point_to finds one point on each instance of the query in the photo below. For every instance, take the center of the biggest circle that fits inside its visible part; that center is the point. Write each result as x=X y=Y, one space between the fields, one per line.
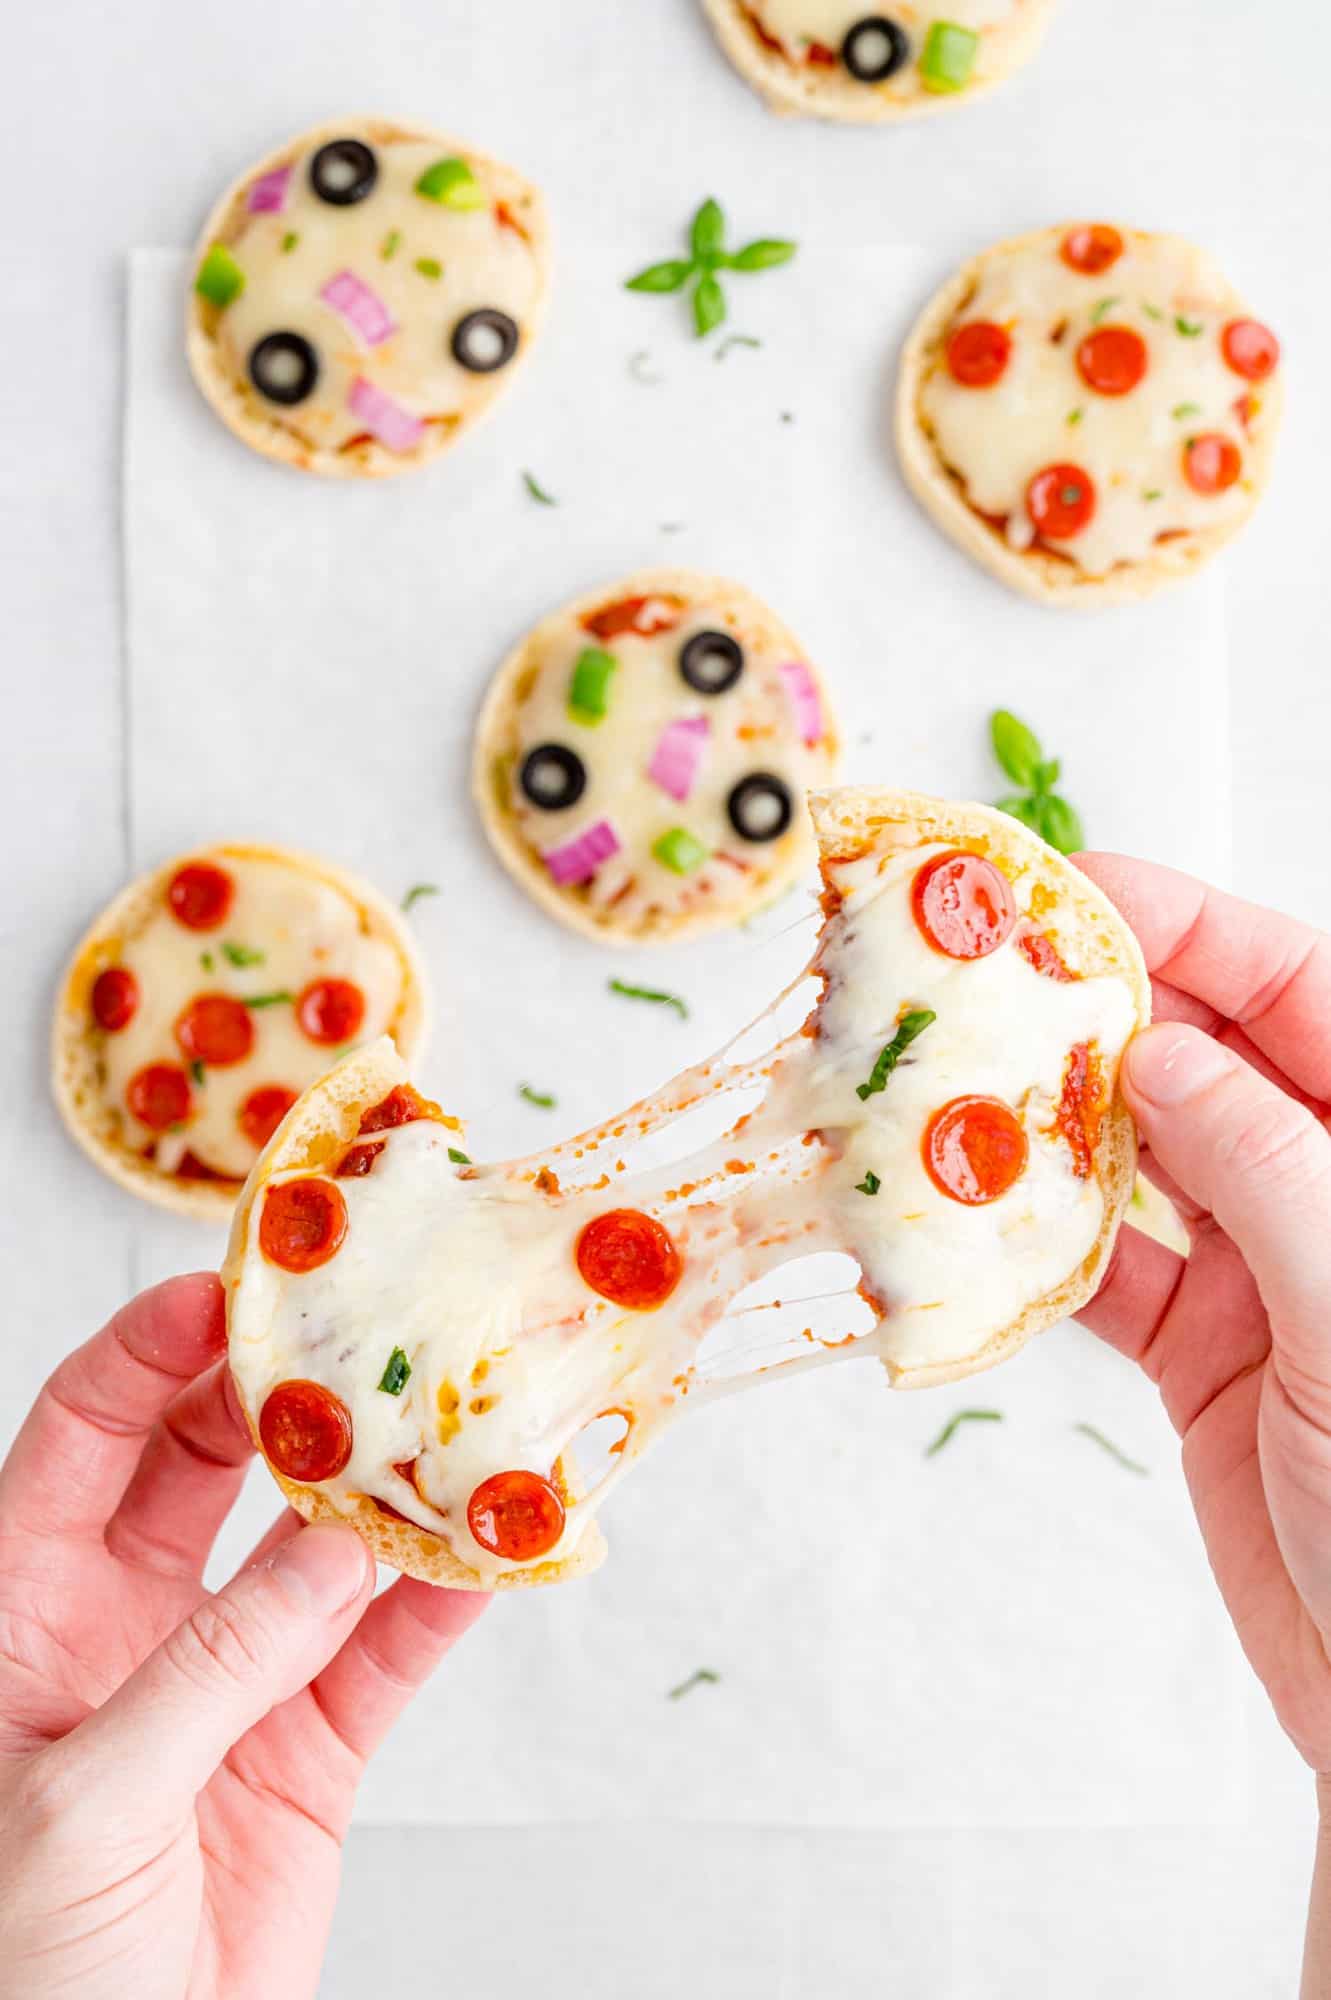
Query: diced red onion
x=578 y=860
x=363 y=310
x=383 y=418
x=268 y=195
x=802 y=689
x=677 y=755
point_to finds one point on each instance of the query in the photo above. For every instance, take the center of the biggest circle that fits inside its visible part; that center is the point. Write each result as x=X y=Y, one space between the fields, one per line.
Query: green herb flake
x=869 y=1185
x=1108 y=1445
x=397 y=1374
x=458 y=1158
x=735 y=340
x=1189 y=328
x=1105 y=306
x=429 y=267
x=240 y=954
x=196 y=1070
x=1152 y=312
x=289 y=242
x=391 y=244
x=708 y=255
x=279 y=999
x=452 y=184
x=1075 y=416
x=650 y=993
x=537 y=491
x=220 y=278
x=910 y=1026
x=417 y=892
x=589 y=687
x=540 y=1098
x=680 y=851
x=953 y=1425
x=701 y=1677
x=206 y=960
x=1154 y=493
x=1182 y=410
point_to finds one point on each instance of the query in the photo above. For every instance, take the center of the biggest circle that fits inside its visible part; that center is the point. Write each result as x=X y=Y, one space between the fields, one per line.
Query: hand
x=177 y=1769
x=1232 y=1093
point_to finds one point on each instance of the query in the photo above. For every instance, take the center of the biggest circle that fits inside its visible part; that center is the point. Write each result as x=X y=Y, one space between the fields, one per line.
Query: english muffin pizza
x=362 y=296
x=1090 y=411
x=424 y=1346
x=833 y=59
x=205 y=1000
x=641 y=758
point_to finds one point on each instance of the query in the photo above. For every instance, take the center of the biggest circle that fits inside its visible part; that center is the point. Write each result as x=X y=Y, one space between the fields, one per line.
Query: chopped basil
x=429 y=267
x=279 y=999
x=1107 y=1445
x=196 y=1070
x=735 y=340
x=869 y=1185
x=541 y=1099
x=459 y=1159
x=1154 y=493
x=417 y=890
x=391 y=244
x=651 y=993
x=240 y=954
x=1099 y=311
x=1182 y=410
x=708 y=255
x=1189 y=328
x=1075 y=416
x=703 y=1676
x=537 y=491
x=289 y=242
x=206 y=960
x=909 y=1028
x=953 y=1425
x=1152 y=312
x=397 y=1374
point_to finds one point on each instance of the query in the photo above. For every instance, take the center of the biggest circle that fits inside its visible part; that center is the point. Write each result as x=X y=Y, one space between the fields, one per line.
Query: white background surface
x=118 y=130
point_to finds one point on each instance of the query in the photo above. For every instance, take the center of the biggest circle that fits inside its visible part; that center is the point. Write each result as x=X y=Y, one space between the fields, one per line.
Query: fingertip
x=179 y=1325
x=1168 y=1064
x=324 y=1568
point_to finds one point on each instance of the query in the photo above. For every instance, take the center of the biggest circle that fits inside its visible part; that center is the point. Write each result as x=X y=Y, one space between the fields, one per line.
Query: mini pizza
x=832 y=59
x=207 y=998
x=363 y=295
x=1090 y=411
x=424 y=1346
x=641 y=758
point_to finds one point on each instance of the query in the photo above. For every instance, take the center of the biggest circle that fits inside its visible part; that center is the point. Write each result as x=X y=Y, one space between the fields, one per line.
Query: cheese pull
x=463 y=1360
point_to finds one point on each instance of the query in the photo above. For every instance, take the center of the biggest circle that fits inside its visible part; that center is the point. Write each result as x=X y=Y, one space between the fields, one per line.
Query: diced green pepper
x=589 y=689
x=680 y=852
x=948 y=57
x=429 y=267
x=451 y=183
x=220 y=277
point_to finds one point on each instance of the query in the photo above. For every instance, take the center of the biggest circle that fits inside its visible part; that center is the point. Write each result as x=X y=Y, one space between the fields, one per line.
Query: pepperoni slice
x=302 y=1225
x=978 y=353
x=1091 y=248
x=1044 y=955
x=200 y=895
x=643 y=615
x=1060 y=501
x=1250 y=348
x=629 y=1259
x=359 y=1161
x=402 y=1106
x=1081 y=1107
x=159 y=1096
x=215 y=1029
x=517 y=1515
x=305 y=1431
x=1211 y=462
x=115 y=998
x=1112 y=360
x=263 y=1111
x=963 y=904
x=330 y=1010
x=974 y=1149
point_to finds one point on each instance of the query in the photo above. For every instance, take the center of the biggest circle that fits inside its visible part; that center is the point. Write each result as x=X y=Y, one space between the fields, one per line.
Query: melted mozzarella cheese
x=472 y=1271
x=382 y=240
x=796 y=23
x=302 y=929
x=1041 y=412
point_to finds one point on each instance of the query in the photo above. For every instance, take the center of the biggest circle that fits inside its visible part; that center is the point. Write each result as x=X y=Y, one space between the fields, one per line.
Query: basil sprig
x=1037 y=805
x=909 y=1026
x=708 y=255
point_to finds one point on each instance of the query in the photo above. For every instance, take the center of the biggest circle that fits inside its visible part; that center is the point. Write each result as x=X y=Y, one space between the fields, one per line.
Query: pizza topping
x=263 y=1111
x=805 y=701
x=159 y=1096
x=396 y=427
x=711 y=662
x=589 y=689
x=397 y=1374
x=331 y=1011
x=268 y=194
x=200 y=894
x=679 y=752
x=760 y=807
x=1250 y=348
x=516 y=1515
x=963 y=904
x=344 y=172
x=1091 y=248
x=629 y=1258
x=360 y=308
x=453 y=184
x=485 y=341
x=284 y=368
x=303 y=1224
x=215 y=1029
x=1039 y=949
x=115 y=998
x=910 y=1027
x=402 y=1106
x=1081 y=1108
x=1060 y=501
x=948 y=56
x=220 y=278
x=305 y=1431
x=553 y=777
x=1211 y=463
x=875 y=48
x=680 y=851
x=358 y=1161
x=977 y=353
x=644 y=616
x=975 y=1149
x=577 y=860
x=1112 y=360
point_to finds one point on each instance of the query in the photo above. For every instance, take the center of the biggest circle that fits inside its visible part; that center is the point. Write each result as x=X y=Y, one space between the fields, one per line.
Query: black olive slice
x=485 y=340
x=284 y=367
x=874 y=49
x=711 y=662
x=553 y=777
x=760 y=807
x=343 y=172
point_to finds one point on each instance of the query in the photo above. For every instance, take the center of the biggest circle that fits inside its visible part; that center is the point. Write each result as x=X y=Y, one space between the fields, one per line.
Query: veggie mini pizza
x=641 y=758
x=832 y=59
x=204 y=1001
x=363 y=295
x=1090 y=411
x=429 y=1348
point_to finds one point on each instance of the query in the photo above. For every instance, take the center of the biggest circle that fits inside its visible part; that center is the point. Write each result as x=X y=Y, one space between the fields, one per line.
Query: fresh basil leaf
x=1016 y=747
x=709 y=305
x=667 y=277
x=1046 y=775
x=763 y=255
x=1060 y=824
x=1024 y=808
x=707 y=234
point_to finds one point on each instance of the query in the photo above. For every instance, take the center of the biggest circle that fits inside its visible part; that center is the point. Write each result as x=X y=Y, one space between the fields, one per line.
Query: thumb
x=238 y=1655
x=1257 y=1160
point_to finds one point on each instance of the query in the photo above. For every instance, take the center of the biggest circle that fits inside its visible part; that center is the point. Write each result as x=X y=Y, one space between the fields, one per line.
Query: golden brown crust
x=240 y=408
x=1094 y=940
x=811 y=91
x=493 y=754
x=74 y=1047
x=1036 y=572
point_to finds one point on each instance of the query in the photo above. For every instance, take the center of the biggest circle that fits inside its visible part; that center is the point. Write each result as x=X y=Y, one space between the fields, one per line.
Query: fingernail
x=323 y=1567
x=1168 y=1064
